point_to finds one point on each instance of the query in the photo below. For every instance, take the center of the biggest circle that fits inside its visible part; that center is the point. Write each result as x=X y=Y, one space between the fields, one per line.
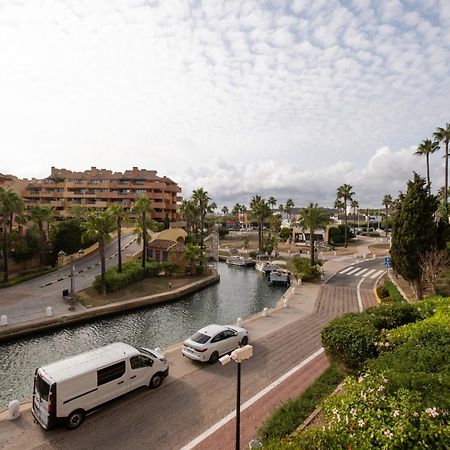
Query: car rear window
x=200 y=338
x=42 y=388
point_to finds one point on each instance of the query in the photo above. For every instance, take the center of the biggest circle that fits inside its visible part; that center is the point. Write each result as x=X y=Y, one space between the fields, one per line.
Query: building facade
x=100 y=188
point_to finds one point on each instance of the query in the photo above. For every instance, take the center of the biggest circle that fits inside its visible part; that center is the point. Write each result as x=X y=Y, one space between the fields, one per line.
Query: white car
x=213 y=341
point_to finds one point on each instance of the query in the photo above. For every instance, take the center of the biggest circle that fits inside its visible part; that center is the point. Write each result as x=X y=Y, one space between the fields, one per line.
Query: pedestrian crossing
x=362 y=273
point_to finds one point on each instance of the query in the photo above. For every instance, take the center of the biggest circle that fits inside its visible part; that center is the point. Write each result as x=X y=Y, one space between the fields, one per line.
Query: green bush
x=285 y=233
x=304 y=270
x=313 y=439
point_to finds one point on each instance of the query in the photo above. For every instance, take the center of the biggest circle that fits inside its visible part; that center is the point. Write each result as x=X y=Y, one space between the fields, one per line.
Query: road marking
x=358 y=294
x=368 y=273
x=354 y=270
x=251 y=401
x=347 y=269
x=357 y=274
x=376 y=274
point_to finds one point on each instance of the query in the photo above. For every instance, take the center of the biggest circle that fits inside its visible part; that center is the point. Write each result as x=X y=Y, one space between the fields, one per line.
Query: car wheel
x=155 y=381
x=214 y=357
x=244 y=341
x=75 y=419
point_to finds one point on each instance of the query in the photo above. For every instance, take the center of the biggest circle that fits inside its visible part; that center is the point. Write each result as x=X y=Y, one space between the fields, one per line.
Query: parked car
x=66 y=390
x=213 y=341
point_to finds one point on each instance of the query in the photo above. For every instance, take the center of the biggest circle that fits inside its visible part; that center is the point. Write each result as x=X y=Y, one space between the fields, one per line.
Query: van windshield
x=42 y=388
x=146 y=352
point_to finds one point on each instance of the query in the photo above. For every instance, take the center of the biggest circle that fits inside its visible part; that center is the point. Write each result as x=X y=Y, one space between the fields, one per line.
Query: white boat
x=265 y=267
x=278 y=277
x=239 y=261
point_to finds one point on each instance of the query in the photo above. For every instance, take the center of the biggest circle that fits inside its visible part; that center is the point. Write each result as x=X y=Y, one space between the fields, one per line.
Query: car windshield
x=146 y=352
x=200 y=338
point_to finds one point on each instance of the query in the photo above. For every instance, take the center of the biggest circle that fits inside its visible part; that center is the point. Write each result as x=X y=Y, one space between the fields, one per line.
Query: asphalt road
x=184 y=407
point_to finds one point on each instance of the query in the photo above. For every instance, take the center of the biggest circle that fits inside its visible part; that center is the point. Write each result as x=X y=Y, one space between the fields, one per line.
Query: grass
x=26 y=276
x=393 y=291
x=294 y=412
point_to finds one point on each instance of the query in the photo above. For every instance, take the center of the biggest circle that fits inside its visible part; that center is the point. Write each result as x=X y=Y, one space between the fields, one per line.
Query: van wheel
x=213 y=358
x=155 y=381
x=244 y=341
x=75 y=419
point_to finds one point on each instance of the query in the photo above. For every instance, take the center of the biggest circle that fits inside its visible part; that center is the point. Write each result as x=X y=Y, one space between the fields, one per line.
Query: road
x=30 y=299
x=195 y=396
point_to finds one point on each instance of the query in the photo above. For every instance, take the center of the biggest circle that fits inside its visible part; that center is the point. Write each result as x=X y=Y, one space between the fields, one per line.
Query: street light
x=238 y=355
x=72 y=295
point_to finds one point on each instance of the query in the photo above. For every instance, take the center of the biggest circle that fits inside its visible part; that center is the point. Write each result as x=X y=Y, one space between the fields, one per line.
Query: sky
x=287 y=98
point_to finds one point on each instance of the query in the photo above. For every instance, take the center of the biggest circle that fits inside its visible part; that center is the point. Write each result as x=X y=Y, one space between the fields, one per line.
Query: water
x=240 y=293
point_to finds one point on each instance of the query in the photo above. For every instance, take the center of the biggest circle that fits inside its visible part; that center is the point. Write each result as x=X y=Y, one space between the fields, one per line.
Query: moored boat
x=265 y=267
x=239 y=261
x=280 y=277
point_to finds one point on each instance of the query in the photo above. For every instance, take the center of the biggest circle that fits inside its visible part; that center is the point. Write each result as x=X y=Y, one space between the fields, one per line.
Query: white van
x=66 y=390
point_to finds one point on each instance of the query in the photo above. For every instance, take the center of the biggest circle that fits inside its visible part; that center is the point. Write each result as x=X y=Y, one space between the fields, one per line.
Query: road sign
x=387 y=262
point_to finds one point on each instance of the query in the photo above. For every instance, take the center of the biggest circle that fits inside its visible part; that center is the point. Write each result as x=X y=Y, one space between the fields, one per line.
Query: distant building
x=101 y=188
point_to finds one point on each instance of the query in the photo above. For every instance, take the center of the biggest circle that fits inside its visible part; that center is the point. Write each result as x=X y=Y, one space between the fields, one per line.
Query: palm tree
x=120 y=215
x=41 y=215
x=193 y=254
x=188 y=213
x=260 y=210
x=443 y=135
x=313 y=217
x=97 y=226
x=427 y=147
x=225 y=210
x=272 y=202
x=387 y=202
x=236 y=211
x=345 y=194
x=288 y=207
x=355 y=205
x=200 y=199
x=143 y=206
x=338 y=204
x=10 y=204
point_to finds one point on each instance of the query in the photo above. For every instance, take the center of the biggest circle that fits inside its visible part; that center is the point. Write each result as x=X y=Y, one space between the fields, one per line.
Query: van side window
x=110 y=373
x=140 y=361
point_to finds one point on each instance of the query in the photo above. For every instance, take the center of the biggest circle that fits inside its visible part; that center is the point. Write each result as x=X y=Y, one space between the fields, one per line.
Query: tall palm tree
x=355 y=205
x=201 y=199
x=97 y=226
x=236 y=211
x=387 y=202
x=288 y=207
x=193 y=255
x=427 y=147
x=443 y=135
x=10 y=204
x=143 y=206
x=345 y=194
x=188 y=213
x=313 y=217
x=225 y=210
x=41 y=215
x=260 y=210
x=272 y=202
x=338 y=204
x=120 y=215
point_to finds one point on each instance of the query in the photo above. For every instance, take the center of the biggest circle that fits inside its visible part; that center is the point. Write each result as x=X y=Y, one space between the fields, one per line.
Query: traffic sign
x=387 y=262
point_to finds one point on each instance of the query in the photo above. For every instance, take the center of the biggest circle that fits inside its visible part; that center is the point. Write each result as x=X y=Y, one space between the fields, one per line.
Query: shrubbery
x=304 y=270
x=131 y=273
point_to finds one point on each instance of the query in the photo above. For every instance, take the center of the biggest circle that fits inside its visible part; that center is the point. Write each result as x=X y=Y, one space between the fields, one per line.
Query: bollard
x=14 y=410
x=335 y=253
x=49 y=311
x=158 y=349
x=364 y=256
x=373 y=256
x=299 y=281
x=293 y=291
x=265 y=312
x=239 y=321
x=3 y=320
x=285 y=303
x=170 y=285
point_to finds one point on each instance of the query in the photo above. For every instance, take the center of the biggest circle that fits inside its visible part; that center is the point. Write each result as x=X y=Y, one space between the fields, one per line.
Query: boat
x=239 y=261
x=280 y=277
x=265 y=267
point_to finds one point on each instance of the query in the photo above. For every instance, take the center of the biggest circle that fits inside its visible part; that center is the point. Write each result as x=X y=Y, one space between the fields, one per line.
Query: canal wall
x=13 y=331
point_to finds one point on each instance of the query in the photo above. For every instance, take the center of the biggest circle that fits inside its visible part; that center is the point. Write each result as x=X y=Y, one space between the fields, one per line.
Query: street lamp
x=72 y=295
x=238 y=355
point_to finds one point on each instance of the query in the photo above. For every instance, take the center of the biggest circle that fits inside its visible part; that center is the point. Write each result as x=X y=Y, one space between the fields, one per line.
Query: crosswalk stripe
x=353 y=271
x=347 y=269
x=376 y=274
x=357 y=274
x=368 y=273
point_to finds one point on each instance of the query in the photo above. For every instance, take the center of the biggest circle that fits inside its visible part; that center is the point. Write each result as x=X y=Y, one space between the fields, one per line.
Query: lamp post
x=72 y=295
x=238 y=355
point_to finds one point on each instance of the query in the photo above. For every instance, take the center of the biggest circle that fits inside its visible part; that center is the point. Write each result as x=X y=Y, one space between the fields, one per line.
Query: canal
x=240 y=293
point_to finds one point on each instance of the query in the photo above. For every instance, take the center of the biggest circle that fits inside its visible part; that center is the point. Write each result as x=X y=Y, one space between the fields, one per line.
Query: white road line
x=368 y=273
x=251 y=401
x=358 y=293
x=357 y=274
x=376 y=274
x=347 y=269
x=354 y=270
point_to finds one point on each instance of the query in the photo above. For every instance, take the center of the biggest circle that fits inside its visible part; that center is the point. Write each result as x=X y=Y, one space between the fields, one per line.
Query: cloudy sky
x=289 y=98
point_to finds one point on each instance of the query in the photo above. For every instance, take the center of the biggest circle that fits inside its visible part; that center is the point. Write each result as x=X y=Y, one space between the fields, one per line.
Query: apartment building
x=100 y=188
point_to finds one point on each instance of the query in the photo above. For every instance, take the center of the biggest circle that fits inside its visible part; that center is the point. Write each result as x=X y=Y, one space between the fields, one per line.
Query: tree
x=188 y=213
x=10 y=204
x=272 y=202
x=354 y=205
x=288 y=207
x=200 y=199
x=414 y=232
x=41 y=215
x=427 y=147
x=387 y=203
x=143 y=207
x=225 y=210
x=443 y=135
x=345 y=194
x=313 y=217
x=120 y=215
x=433 y=262
x=98 y=225
x=260 y=211
x=193 y=255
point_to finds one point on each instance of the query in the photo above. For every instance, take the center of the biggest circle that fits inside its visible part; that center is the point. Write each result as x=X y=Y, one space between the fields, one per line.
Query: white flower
x=395 y=413
x=380 y=388
x=432 y=412
x=360 y=423
x=353 y=412
x=388 y=434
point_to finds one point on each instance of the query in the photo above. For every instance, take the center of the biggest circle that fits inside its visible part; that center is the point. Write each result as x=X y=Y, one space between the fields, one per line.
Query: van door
x=44 y=400
x=112 y=382
x=141 y=371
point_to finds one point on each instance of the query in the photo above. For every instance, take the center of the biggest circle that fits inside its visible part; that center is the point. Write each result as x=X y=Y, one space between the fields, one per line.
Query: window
x=42 y=388
x=110 y=373
x=227 y=334
x=139 y=361
x=200 y=338
x=165 y=256
x=219 y=337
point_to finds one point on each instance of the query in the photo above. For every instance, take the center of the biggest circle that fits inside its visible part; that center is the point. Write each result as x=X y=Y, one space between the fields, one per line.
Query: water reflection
x=240 y=293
